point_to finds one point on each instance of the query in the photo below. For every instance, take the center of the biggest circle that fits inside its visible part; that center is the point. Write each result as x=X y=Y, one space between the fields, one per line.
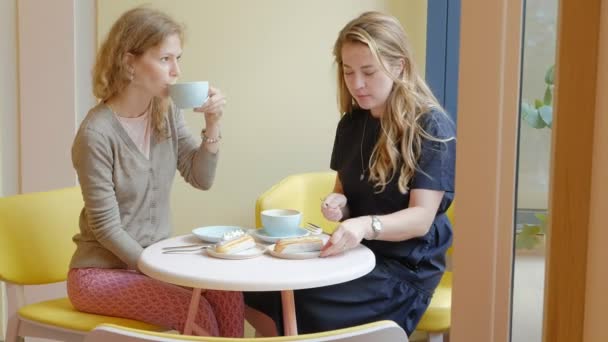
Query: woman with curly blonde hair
x=394 y=154
x=126 y=154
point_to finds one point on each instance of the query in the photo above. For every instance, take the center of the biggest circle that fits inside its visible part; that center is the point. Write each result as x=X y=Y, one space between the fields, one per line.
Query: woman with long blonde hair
x=394 y=154
x=126 y=154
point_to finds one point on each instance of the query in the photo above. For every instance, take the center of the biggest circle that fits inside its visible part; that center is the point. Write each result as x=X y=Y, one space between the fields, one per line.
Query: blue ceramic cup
x=281 y=222
x=189 y=94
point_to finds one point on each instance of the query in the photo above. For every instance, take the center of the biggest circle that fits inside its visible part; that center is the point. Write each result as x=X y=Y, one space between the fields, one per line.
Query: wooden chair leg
x=12 y=330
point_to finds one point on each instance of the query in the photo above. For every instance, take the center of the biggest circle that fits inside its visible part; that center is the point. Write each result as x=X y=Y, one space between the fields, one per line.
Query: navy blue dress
x=400 y=286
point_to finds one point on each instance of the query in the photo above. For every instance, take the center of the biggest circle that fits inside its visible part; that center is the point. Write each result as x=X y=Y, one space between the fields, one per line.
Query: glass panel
x=533 y=174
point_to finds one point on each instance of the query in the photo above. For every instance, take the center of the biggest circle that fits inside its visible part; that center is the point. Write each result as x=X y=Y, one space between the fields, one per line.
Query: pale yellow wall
x=275 y=68
x=272 y=58
x=412 y=14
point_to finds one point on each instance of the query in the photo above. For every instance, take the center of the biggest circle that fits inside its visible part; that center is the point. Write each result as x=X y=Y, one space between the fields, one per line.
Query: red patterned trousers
x=129 y=294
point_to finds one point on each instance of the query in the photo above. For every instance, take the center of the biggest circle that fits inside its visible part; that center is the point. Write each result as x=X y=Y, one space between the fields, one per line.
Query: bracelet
x=207 y=140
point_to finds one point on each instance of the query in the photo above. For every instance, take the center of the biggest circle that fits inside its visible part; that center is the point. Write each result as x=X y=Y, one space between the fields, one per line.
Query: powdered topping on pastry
x=232 y=234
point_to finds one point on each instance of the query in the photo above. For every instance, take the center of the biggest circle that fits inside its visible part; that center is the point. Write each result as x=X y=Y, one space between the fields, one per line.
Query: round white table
x=262 y=273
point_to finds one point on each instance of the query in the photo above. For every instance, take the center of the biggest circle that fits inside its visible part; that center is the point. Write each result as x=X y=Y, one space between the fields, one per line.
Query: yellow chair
x=302 y=192
x=437 y=319
x=377 y=331
x=35 y=248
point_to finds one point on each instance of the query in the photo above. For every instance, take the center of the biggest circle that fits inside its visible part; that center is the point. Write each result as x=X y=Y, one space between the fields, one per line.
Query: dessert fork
x=185 y=248
x=313 y=228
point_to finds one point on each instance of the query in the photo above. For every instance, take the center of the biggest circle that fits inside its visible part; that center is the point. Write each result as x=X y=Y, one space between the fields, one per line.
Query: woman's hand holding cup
x=213 y=108
x=332 y=206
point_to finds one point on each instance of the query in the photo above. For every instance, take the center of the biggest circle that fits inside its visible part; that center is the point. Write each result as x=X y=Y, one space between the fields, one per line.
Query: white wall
x=277 y=70
x=8 y=116
x=46 y=93
x=8 y=99
x=45 y=76
x=85 y=47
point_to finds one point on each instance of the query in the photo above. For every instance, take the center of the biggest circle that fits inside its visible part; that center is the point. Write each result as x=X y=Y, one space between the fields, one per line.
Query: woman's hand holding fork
x=333 y=205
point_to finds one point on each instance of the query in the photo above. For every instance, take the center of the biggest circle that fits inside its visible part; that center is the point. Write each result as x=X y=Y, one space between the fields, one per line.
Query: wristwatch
x=376 y=227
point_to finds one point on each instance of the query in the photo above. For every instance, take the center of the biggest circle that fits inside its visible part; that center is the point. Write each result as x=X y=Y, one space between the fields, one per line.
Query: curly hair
x=409 y=100
x=136 y=31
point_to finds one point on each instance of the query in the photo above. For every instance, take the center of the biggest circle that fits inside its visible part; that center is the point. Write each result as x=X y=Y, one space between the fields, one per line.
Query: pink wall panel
x=46 y=93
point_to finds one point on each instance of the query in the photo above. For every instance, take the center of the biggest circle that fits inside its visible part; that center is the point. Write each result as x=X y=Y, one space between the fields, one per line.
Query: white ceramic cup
x=189 y=94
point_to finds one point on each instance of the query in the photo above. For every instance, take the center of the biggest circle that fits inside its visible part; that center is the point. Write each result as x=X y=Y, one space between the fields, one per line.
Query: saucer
x=214 y=233
x=263 y=235
x=252 y=252
x=301 y=255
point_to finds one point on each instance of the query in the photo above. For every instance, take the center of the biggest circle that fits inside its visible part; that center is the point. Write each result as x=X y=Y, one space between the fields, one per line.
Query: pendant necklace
x=363 y=169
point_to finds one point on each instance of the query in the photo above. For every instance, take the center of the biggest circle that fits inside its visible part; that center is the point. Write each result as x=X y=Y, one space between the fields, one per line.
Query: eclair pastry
x=299 y=244
x=235 y=244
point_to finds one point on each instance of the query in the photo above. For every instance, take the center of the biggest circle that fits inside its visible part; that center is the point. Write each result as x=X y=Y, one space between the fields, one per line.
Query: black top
x=424 y=257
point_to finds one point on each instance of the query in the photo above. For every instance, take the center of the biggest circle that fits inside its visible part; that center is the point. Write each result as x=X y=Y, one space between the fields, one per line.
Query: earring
x=130 y=74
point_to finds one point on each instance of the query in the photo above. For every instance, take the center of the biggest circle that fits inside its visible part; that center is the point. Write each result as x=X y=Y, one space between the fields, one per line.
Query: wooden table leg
x=192 y=311
x=290 y=325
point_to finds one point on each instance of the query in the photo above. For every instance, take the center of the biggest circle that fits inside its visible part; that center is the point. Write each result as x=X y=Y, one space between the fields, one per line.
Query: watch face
x=376 y=227
x=376 y=224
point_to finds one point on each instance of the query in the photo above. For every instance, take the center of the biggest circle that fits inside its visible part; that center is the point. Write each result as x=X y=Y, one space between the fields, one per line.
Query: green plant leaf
x=531 y=116
x=546 y=114
x=541 y=217
x=538 y=103
x=528 y=237
x=531 y=229
x=550 y=75
x=548 y=98
x=526 y=241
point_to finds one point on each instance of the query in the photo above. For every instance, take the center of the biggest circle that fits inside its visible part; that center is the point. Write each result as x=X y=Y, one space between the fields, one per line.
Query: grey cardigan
x=127 y=196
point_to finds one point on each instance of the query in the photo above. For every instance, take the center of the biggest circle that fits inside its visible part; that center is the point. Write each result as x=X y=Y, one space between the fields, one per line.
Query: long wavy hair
x=399 y=145
x=136 y=31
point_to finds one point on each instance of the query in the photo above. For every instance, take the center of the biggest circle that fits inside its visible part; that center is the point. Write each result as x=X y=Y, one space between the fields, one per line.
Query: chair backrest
x=302 y=192
x=450 y=214
x=36 y=232
x=377 y=331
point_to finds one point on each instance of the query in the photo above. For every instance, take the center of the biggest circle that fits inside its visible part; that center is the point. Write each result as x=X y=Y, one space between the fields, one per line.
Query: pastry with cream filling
x=299 y=244
x=234 y=242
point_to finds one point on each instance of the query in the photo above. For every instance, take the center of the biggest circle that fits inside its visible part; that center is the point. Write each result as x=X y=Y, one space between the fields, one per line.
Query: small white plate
x=263 y=235
x=214 y=233
x=301 y=255
x=246 y=254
